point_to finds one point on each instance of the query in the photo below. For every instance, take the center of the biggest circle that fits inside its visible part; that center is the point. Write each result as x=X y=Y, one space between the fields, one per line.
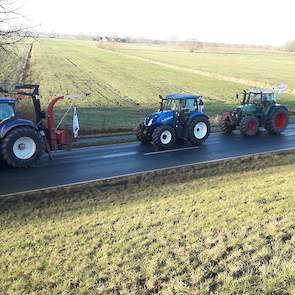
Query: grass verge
x=225 y=234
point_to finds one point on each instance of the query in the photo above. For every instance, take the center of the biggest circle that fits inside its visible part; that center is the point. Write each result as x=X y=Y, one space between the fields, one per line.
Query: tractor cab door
x=187 y=106
x=255 y=100
x=6 y=111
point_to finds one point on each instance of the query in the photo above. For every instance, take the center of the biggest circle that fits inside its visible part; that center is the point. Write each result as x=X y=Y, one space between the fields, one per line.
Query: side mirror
x=160 y=96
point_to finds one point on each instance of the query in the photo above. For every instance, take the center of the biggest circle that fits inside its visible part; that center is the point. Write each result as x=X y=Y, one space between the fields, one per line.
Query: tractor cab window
x=191 y=105
x=171 y=104
x=6 y=111
x=254 y=97
x=180 y=105
x=268 y=97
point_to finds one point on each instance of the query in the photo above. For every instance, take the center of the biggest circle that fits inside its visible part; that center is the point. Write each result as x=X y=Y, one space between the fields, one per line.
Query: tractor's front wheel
x=22 y=147
x=198 y=130
x=249 y=126
x=225 y=124
x=143 y=138
x=163 y=137
x=278 y=122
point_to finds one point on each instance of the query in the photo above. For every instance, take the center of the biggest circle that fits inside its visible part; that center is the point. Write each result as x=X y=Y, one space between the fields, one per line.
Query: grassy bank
x=230 y=234
x=13 y=63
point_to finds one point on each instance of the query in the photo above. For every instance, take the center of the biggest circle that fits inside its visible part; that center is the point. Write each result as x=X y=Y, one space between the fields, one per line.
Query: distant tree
x=12 y=28
x=290 y=46
x=192 y=45
x=113 y=37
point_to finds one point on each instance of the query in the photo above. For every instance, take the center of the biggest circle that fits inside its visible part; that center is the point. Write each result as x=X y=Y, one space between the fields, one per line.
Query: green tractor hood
x=247 y=109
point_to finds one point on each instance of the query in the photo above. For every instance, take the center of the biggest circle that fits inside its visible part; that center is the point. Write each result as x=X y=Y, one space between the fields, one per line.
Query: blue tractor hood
x=160 y=117
x=163 y=114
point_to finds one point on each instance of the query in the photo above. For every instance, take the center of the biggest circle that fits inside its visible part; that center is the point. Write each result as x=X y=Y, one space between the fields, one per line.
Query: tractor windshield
x=179 y=105
x=268 y=96
x=254 y=97
x=6 y=111
x=172 y=104
x=259 y=97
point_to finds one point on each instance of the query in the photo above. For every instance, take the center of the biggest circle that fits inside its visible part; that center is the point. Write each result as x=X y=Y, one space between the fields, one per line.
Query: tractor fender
x=276 y=107
x=195 y=114
x=7 y=126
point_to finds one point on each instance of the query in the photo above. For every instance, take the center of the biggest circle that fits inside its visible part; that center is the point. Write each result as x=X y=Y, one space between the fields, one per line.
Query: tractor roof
x=7 y=100
x=261 y=90
x=182 y=96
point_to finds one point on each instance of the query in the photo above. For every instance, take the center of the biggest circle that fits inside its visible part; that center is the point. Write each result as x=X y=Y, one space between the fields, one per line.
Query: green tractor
x=257 y=109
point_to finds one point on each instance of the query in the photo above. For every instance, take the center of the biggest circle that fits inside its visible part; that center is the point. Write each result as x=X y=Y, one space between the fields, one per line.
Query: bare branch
x=12 y=28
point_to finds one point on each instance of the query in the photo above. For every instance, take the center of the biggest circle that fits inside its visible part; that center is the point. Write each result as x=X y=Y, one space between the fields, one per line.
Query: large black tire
x=163 y=137
x=22 y=147
x=249 y=126
x=225 y=125
x=145 y=139
x=198 y=130
x=277 y=122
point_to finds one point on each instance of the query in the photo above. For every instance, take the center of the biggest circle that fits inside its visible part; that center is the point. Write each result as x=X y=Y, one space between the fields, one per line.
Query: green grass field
x=256 y=68
x=229 y=234
x=130 y=77
x=125 y=79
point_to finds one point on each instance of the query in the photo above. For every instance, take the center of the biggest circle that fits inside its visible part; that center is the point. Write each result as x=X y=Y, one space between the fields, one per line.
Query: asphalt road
x=86 y=164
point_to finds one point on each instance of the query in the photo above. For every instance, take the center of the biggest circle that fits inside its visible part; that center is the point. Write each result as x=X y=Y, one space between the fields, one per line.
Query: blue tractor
x=180 y=117
x=21 y=141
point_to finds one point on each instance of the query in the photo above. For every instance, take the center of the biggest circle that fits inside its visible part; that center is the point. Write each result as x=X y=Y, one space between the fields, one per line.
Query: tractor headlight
x=150 y=122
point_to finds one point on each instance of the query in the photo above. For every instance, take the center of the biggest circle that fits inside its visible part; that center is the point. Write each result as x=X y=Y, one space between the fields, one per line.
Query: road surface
x=86 y=164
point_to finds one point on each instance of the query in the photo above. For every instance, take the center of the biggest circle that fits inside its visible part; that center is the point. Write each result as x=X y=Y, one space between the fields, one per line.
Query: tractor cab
x=258 y=97
x=256 y=101
x=180 y=117
x=180 y=102
x=6 y=109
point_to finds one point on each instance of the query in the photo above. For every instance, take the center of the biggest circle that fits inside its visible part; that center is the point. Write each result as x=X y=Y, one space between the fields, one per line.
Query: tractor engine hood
x=247 y=108
x=158 y=117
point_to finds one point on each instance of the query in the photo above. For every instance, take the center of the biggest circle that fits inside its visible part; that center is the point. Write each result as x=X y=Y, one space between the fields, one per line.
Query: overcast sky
x=232 y=21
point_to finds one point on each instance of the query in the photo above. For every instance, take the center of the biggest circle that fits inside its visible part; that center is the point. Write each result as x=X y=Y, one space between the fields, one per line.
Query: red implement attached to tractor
x=57 y=138
x=22 y=142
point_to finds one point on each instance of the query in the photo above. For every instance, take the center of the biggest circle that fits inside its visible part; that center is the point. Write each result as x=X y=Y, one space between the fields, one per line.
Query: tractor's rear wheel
x=278 y=122
x=22 y=147
x=225 y=124
x=143 y=138
x=198 y=130
x=163 y=137
x=249 y=125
